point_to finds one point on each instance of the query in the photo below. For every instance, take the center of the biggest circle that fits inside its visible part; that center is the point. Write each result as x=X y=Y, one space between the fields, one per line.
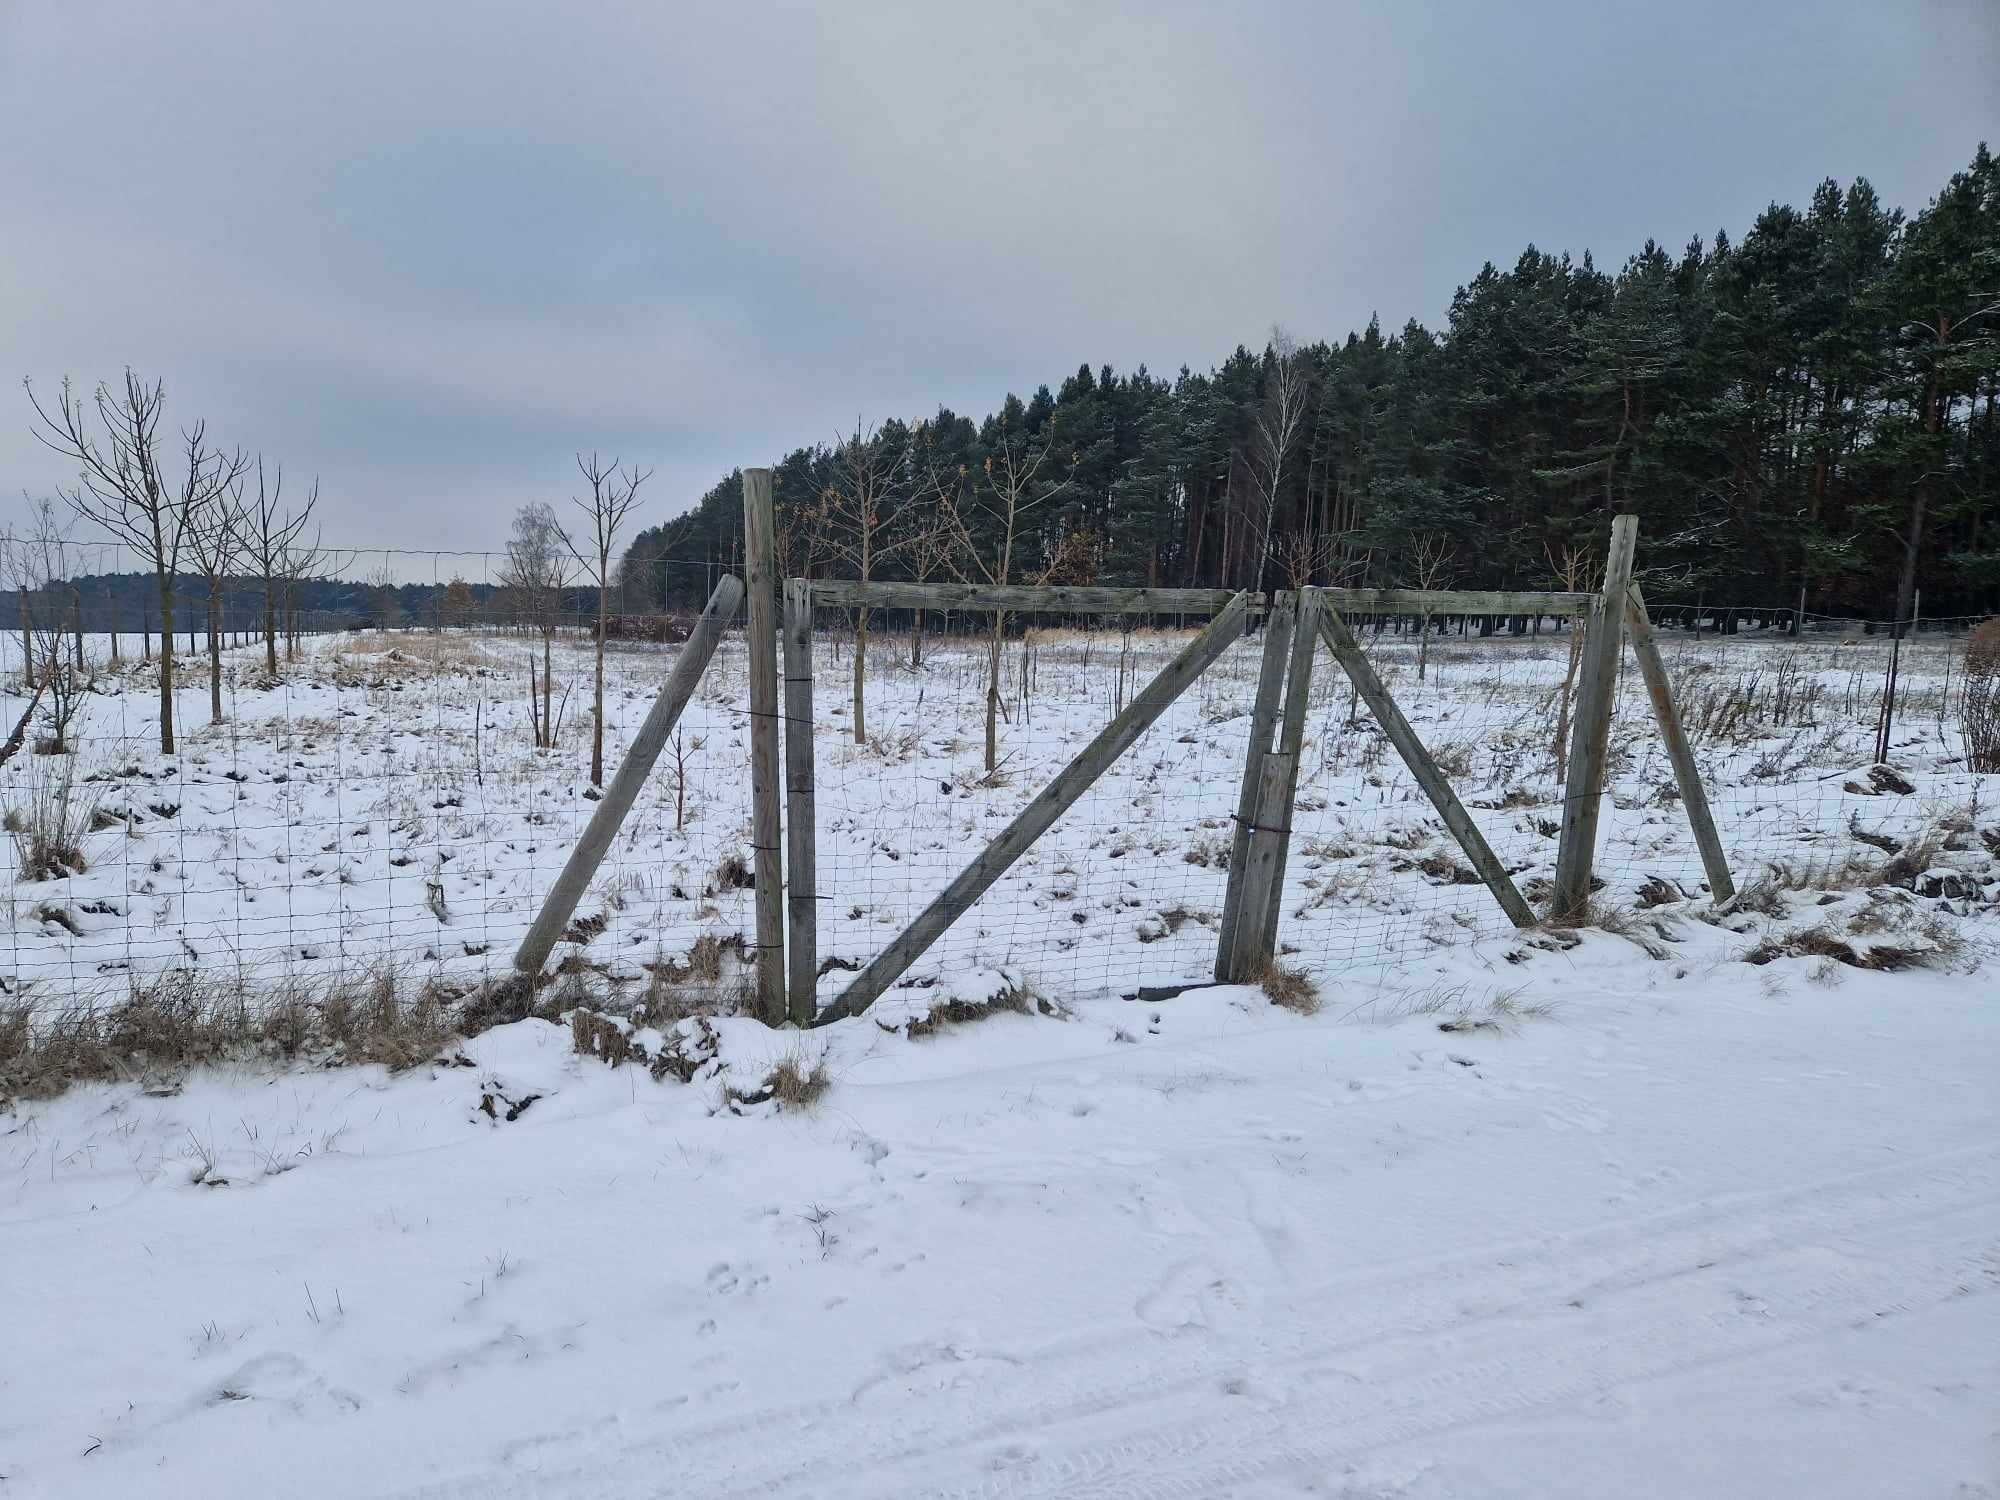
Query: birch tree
x=1280 y=417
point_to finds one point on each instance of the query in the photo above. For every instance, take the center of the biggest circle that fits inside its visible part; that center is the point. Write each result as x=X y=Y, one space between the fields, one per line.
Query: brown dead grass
x=1290 y=989
x=168 y=1024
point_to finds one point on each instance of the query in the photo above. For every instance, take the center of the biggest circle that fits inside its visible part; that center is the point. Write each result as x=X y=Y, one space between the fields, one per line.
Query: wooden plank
x=1455 y=602
x=1347 y=651
x=986 y=598
x=1229 y=964
x=801 y=824
x=1039 y=815
x=761 y=568
x=1277 y=811
x=1590 y=731
x=560 y=903
x=1694 y=796
x=1063 y=599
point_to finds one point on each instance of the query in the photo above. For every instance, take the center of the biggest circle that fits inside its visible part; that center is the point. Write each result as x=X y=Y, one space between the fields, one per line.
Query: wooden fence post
x=1038 y=816
x=560 y=903
x=801 y=826
x=1276 y=813
x=1694 y=796
x=1230 y=966
x=1590 y=732
x=1347 y=651
x=761 y=569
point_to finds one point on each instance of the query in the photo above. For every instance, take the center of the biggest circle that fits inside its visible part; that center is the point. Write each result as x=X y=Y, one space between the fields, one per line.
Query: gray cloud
x=428 y=250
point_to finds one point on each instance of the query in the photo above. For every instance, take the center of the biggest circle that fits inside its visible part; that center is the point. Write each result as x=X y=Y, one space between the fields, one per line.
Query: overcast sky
x=427 y=250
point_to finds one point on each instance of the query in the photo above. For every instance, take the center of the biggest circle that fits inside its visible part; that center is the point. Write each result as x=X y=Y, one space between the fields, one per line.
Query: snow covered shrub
x=1979 y=710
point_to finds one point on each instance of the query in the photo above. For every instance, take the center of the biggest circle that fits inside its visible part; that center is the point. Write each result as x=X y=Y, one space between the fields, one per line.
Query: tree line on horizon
x=1803 y=419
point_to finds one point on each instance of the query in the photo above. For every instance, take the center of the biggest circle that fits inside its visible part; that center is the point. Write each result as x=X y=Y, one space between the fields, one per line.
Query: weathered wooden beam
x=560 y=903
x=1067 y=599
x=1039 y=815
x=1347 y=651
x=766 y=786
x=801 y=822
x=1230 y=963
x=1590 y=732
x=1455 y=602
x=1694 y=796
x=986 y=598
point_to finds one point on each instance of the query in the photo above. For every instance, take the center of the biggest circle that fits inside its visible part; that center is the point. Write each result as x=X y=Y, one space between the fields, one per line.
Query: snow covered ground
x=1710 y=1206
x=1662 y=1229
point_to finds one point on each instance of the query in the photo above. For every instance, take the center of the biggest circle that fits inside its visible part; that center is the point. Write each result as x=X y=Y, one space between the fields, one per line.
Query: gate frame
x=1296 y=621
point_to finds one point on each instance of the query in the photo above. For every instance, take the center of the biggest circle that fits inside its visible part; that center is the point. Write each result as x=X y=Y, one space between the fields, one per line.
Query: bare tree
x=864 y=528
x=534 y=574
x=1015 y=486
x=269 y=532
x=385 y=596
x=1280 y=416
x=215 y=542
x=613 y=493
x=124 y=488
x=301 y=562
x=1430 y=566
x=36 y=564
x=937 y=540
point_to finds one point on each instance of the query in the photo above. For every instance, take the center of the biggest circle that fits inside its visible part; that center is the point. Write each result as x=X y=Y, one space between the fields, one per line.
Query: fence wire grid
x=380 y=801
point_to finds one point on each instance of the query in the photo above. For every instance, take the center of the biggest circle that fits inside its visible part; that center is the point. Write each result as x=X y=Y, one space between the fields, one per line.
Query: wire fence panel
x=1125 y=890
x=381 y=801
x=379 y=804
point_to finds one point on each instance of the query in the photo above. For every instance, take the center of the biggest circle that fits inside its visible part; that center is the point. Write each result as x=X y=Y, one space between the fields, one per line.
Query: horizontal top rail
x=841 y=593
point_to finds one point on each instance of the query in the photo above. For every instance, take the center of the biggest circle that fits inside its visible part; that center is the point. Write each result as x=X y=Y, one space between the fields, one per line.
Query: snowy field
x=383 y=806
x=1704 y=1204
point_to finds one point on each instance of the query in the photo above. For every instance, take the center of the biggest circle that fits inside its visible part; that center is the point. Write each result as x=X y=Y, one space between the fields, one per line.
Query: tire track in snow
x=1092 y=1375
x=1190 y=1451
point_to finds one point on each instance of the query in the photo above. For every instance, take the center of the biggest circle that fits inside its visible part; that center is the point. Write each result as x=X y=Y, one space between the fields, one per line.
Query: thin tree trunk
x=860 y=675
x=166 y=664
x=597 y=687
x=214 y=659
x=993 y=693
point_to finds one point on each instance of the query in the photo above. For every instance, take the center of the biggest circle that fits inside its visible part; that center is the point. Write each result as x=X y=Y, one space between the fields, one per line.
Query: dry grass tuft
x=1290 y=989
x=796 y=1081
x=170 y=1023
x=1015 y=1000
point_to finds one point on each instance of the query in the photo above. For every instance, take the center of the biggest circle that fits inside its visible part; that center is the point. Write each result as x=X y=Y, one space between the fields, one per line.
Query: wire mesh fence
x=381 y=798
x=379 y=802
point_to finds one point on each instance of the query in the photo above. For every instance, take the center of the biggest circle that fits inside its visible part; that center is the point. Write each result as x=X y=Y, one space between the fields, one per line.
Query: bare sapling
x=216 y=543
x=683 y=748
x=1430 y=566
x=613 y=494
x=533 y=575
x=1013 y=486
x=866 y=526
x=270 y=532
x=36 y=565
